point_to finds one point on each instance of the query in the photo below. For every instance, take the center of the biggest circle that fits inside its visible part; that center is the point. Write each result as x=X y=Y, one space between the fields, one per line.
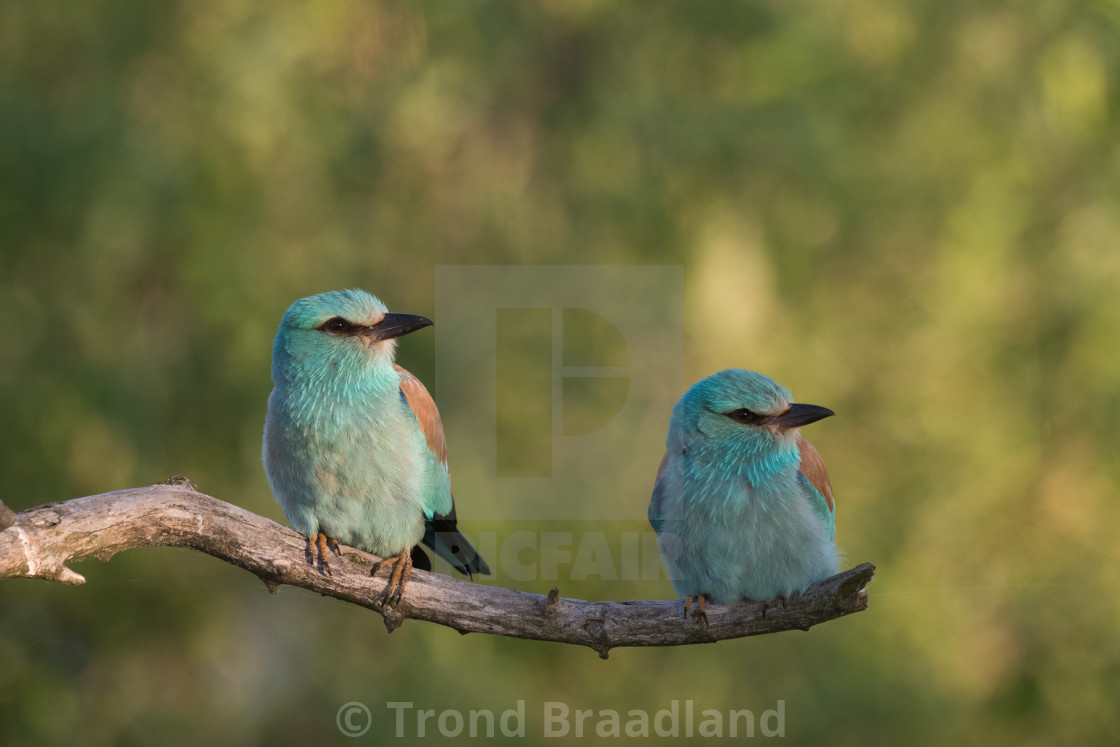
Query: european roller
x=742 y=505
x=354 y=448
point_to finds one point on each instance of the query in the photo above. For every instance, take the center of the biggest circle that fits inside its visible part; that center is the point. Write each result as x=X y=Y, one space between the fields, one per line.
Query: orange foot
x=701 y=612
x=317 y=544
x=402 y=569
x=770 y=603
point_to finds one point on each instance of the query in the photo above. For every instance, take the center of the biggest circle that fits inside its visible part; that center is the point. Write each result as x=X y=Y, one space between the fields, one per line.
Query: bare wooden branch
x=7 y=517
x=43 y=540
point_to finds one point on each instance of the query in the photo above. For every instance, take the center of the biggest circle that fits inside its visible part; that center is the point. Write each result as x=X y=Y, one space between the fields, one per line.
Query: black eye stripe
x=339 y=326
x=746 y=417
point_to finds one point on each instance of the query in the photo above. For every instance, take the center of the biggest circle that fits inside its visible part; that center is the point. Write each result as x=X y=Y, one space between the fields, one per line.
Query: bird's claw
x=402 y=569
x=316 y=554
x=770 y=603
x=701 y=612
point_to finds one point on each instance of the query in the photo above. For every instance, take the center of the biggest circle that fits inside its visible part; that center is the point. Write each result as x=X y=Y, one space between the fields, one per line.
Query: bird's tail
x=447 y=542
x=420 y=559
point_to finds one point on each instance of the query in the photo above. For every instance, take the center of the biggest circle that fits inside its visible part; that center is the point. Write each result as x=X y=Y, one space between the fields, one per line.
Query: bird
x=354 y=448
x=742 y=503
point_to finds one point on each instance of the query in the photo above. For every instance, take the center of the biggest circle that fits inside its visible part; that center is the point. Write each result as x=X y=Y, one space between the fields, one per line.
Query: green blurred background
x=907 y=211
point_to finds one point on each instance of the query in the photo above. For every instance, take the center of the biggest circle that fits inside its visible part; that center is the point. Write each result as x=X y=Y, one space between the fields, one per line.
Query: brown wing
x=441 y=531
x=424 y=407
x=812 y=466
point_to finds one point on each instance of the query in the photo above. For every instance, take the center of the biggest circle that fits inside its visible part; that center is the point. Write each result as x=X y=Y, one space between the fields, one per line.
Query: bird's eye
x=335 y=324
x=746 y=417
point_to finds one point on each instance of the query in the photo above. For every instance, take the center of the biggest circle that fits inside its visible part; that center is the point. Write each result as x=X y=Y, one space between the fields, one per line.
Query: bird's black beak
x=798 y=415
x=395 y=325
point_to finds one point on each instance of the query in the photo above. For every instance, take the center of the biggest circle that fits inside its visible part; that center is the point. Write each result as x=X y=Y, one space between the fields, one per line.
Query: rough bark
x=41 y=541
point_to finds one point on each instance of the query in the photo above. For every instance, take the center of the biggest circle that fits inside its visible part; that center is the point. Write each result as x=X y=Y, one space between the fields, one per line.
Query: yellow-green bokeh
x=908 y=212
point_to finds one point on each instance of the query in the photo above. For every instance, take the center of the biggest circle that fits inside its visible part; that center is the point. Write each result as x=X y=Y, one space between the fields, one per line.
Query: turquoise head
x=338 y=336
x=742 y=413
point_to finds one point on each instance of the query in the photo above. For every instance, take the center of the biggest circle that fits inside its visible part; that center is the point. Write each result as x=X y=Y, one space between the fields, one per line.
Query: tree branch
x=43 y=540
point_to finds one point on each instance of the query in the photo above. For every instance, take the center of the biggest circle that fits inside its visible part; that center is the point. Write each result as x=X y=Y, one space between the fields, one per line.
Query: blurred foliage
x=906 y=211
